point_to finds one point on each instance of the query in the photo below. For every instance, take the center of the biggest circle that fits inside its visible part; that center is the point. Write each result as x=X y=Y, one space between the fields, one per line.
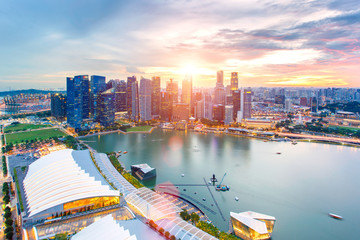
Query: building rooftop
x=61 y=177
x=250 y=219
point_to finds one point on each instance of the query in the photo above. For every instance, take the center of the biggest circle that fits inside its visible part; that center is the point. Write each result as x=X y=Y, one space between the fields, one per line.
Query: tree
x=161 y=230
x=9 y=222
x=194 y=218
x=9 y=235
x=172 y=237
x=167 y=234
x=6 y=199
x=9 y=229
x=185 y=215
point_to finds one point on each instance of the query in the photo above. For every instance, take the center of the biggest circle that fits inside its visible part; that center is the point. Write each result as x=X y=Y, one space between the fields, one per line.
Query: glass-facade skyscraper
x=58 y=105
x=74 y=102
x=98 y=85
x=106 y=107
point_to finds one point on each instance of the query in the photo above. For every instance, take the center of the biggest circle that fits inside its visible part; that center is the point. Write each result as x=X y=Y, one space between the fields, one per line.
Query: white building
x=145 y=99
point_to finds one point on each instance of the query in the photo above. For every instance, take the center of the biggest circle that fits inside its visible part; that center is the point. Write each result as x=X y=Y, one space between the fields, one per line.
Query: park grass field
x=139 y=129
x=15 y=138
x=346 y=127
x=23 y=127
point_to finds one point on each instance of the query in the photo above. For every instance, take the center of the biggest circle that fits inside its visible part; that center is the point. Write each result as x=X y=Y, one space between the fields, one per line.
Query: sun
x=188 y=69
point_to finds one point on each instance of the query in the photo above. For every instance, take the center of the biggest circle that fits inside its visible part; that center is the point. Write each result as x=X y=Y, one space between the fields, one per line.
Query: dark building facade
x=98 y=85
x=166 y=106
x=74 y=102
x=155 y=96
x=129 y=83
x=58 y=106
x=236 y=103
x=219 y=112
x=106 y=109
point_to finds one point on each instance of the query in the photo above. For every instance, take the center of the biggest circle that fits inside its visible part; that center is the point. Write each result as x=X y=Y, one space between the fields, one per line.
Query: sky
x=270 y=43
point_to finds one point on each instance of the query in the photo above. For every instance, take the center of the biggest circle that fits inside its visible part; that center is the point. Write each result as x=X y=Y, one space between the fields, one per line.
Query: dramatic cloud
x=270 y=43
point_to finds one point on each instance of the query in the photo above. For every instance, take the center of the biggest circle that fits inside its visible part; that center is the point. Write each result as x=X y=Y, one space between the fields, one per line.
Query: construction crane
x=220 y=187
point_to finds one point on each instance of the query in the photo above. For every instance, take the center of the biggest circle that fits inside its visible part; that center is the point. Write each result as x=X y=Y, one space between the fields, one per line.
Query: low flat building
x=143 y=171
x=252 y=225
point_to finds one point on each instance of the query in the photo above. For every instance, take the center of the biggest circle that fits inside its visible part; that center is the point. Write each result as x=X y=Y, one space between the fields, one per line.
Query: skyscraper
x=220 y=79
x=180 y=112
x=208 y=106
x=145 y=99
x=186 y=89
x=58 y=105
x=155 y=96
x=166 y=106
x=234 y=81
x=98 y=85
x=219 y=97
x=106 y=109
x=120 y=96
x=74 y=102
x=218 y=112
x=236 y=103
x=135 y=110
x=172 y=87
x=228 y=114
x=85 y=92
x=130 y=81
x=246 y=103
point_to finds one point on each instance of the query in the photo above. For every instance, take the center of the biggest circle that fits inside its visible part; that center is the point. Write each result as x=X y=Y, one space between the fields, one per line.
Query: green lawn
x=345 y=127
x=23 y=127
x=139 y=129
x=37 y=134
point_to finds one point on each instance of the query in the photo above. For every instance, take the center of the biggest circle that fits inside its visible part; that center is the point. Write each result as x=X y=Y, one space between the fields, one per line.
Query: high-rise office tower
x=58 y=105
x=106 y=108
x=86 y=99
x=135 y=110
x=74 y=102
x=186 y=90
x=166 y=106
x=219 y=95
x=180 y=112
x=218 y=112
x=130 y=81
x=246 y=103
x=120 y=96
x=234 y=81
x=145 y=99
x=98 y=85
x=208 y=106
x=220 y=79
x=228 y=114
x=155 y=96
x=236 y=103
x=173 y=88
x=200 y=109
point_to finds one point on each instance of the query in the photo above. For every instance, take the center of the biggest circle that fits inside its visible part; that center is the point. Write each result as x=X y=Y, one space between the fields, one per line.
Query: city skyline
x=272 y=44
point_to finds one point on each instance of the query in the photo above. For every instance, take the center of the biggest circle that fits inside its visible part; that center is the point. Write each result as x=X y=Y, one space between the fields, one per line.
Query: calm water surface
x=298 y=187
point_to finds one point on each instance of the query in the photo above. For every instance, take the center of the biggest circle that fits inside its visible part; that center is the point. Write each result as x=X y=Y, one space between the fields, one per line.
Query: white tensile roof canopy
x=61 y=177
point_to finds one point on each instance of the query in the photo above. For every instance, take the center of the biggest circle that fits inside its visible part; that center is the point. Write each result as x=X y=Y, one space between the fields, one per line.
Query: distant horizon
x=277 y=43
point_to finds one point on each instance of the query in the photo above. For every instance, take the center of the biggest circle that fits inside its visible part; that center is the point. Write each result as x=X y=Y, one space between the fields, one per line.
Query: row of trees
x=214 y=231
x=193 y=217
x=4 y=166
x=9 y=230
x=24 y=115
x=154 y=226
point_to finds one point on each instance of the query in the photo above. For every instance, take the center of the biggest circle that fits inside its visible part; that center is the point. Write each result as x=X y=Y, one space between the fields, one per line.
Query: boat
x=278 y=153
x=182 y=175
x=184 y=189
x=195 y=192
x=210 y=182
x=125 y=152
x=204 y=199
x=293 y=142
x=236 y=199
x=338 y=217
x=119 y=151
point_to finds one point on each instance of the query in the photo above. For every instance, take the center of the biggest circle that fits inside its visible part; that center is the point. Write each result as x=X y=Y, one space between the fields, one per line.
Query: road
x=320 y=138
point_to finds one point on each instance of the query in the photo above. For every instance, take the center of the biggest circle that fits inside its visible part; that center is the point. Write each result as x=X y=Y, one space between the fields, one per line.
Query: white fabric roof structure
x=145 y=168
x=62 y=177
x=246 y=219
x=182 y=229
x=105 y=228
x=256 y=215
x=151 y=204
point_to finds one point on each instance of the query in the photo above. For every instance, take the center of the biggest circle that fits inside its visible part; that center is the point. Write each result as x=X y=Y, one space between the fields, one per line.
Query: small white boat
x=182 y=175
x=236 y=199
x=335 y=216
